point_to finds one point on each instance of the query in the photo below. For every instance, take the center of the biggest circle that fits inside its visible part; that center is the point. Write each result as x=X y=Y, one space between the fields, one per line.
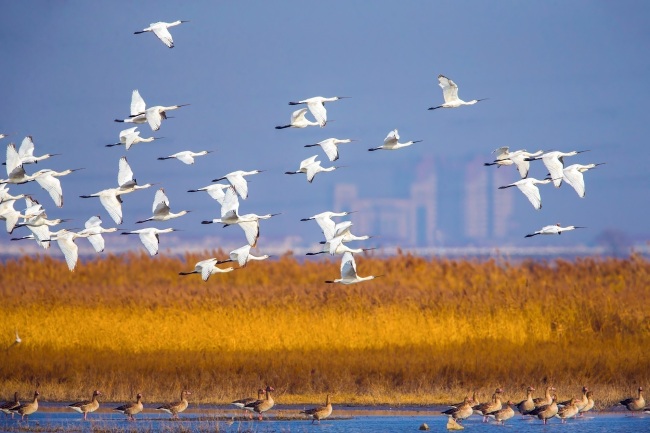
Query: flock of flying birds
x=235 y=187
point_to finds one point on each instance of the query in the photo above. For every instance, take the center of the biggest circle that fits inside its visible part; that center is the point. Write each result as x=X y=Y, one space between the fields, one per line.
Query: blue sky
x=558 y=75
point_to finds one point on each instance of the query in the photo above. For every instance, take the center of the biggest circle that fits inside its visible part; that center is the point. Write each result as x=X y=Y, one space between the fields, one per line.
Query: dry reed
x=429 y=331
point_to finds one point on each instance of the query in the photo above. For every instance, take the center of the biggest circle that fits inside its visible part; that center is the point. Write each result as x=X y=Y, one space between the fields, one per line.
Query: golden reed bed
x=427 y=332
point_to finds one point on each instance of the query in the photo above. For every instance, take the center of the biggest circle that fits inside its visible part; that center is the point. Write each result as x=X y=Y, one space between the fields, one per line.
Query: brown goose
x=546 y=400
x=525 y=406
x=579 y=402
x=501 y=416
x=176 y=407
x=241 y=403
x=27 y=409
x=547 y=411
x=463 y=411
x=86 y=406
x=635 y=404
x=320 y=412
x=569 y=410
x=131 y=409
x=493 y=406
x=589 y=405
x=8 y=406
x=263 y=405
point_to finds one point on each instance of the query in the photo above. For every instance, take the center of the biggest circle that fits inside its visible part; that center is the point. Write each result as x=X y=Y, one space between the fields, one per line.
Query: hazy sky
x=559 y=76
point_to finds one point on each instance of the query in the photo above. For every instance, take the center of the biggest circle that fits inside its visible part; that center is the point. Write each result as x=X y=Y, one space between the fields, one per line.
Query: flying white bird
x=518 y=158
x=110 y=198
x=336 y=245
x=554 y=162
x=216 y=191
x=311 y=168
x=15 y=171
x=47 y=179
x=149 y=237
x=161 y=210
x=65 y=240
x=553 y=230
x=450 y=93
x=530 y=190
x=26 y=152
x=230 y=215
x=316 y=106
x=206 y=268
x=160 y=29
x=298 y=120
x=152 y=115
x=236 y=179
x=349 y=271
x=186 y=156
x=391 y=142
x=573 y=176
x=325 y=222
x=242 y=255
x=130 y=136
x=330 y=147
x=5 y=196
x=93 y=232
x=9 y=214
x=342 y=230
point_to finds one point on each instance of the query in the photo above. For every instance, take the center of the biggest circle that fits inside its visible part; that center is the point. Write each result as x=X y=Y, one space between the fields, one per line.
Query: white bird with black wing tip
x=391 y=142
x=316 y=106
x=161 y=30
x=555 y=229
x=450 y=93
x=349 y=272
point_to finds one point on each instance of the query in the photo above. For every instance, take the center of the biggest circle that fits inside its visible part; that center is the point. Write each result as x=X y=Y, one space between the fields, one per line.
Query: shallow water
x=343 y=420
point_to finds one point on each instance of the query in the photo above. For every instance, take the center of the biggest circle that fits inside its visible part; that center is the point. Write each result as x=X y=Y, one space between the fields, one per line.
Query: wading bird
x=150 y=237
x=263 y=405
x=153 y=116
x=529 y=187
x=553 y=230
x=298 y=120
x=186 y=156
x=176 y=407
x=391 y=142
x=131 y=409
x=208 y=267
x=26 y=409
x=574 y=177
x=330 y=147
x=349 y=272
x=316 y=107
x=87 y=406
x=8 y=406
x=450 y=93
x=325 y=222
x=161 y=30
x=242 y=255
x=320 y=412
x=634 y=404
x=241 y=403
x=554 y=162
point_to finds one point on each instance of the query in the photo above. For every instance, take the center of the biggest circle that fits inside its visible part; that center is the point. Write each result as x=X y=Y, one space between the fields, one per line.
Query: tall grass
x=429 y=331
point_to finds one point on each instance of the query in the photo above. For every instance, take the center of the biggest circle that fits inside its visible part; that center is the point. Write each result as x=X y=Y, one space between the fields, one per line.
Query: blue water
x=202 y=420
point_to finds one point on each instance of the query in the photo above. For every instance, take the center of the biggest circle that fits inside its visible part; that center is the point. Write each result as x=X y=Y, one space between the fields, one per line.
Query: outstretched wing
x=137 y=103
x=164 y=35
x=53 y=186
x=160 y=203
x=124 y=173
x=449 y=88
x=348 y=266
x=319 y=112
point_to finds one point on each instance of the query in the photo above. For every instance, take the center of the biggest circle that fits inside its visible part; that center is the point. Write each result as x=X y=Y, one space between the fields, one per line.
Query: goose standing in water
x=86 y=406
